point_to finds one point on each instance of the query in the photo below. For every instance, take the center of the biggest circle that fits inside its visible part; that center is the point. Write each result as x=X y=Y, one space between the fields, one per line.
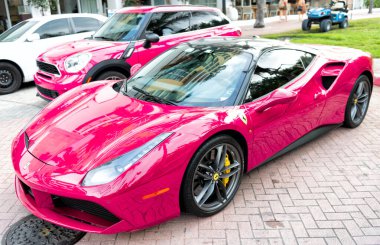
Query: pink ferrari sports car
x=115 y=156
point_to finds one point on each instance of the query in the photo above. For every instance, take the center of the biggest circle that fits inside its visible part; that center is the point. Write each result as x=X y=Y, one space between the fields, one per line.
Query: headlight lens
x=77 y=62
x=113 y=169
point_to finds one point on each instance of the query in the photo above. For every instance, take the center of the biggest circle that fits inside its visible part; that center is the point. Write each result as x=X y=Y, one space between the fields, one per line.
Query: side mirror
x=33 y=37
x=280 y=96
x=149 y=39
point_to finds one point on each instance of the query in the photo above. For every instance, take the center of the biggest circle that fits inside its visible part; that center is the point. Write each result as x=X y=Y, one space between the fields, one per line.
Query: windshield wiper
x=155 y=98
x=104 y=38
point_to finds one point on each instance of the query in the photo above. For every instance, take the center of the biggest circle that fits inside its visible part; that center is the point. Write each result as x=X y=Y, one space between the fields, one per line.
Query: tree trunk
x=260 y=14
x=370 y=6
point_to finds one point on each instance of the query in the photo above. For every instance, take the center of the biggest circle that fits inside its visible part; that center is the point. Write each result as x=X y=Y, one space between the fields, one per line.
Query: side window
x=276 y=68
x=85 y=24
x=54 y=28
x=164 y=24
x=203 y=19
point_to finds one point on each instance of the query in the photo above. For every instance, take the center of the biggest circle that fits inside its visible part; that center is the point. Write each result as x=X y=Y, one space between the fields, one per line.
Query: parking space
x=326 y=192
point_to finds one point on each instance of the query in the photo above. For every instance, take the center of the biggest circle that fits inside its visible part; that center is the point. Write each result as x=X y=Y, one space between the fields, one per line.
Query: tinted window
x=17 y=31
x=54 y=28
x=85 y=24
x=164 y=24
x=276 y=68
x=202 y=20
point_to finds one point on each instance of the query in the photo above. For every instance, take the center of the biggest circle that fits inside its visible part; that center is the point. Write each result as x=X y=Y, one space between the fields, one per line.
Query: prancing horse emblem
x=26 y=166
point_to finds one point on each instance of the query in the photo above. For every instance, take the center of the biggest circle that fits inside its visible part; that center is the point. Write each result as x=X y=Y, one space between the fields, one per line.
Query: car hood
x=90 y=127
x=106 y=49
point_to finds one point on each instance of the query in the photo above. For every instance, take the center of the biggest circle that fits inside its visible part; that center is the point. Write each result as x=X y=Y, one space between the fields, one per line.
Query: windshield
x=16 y=31
x=120 y=27
x=192 y=76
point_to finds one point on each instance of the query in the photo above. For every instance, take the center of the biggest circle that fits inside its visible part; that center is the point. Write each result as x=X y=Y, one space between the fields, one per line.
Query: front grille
x=85 y=206
x=49 y=68
x=47 y=92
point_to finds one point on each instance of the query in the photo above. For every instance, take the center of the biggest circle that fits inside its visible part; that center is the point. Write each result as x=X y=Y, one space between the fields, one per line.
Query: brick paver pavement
x=325 y=192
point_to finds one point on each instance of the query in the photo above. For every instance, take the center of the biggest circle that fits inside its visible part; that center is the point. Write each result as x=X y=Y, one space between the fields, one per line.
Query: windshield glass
x=192 y=76
x=16 y=31
x=120 y=27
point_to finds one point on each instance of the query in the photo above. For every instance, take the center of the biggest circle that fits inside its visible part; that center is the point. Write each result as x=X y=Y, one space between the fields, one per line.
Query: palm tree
x=370 y=7
x=260 y=14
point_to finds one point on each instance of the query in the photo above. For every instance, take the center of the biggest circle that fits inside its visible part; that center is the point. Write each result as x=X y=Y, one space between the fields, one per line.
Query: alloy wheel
x=217 y=177
x=360 y=102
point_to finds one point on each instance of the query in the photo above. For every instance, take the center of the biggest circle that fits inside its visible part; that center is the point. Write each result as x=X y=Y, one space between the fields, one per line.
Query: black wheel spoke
x=234 y=165
x=205 y=193
x=232 y=173
x=221 y=199
x=363 y=98
x=204 y=176
x=360 y=89
x=207 y=167
x=222 y=189
x=222 y=159
x=219 y=150
x=359 y=110
x=354 y=110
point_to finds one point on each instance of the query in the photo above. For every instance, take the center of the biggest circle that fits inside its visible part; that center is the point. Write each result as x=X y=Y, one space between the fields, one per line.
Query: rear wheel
x=358 y=102
x=10 y=78
x=213 y=176
x=306 y=25
x=111 y=75
x=343 y=24
x=326 y=25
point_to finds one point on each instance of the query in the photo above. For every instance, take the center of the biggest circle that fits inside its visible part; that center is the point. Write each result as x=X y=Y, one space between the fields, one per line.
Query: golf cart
x=326 y=17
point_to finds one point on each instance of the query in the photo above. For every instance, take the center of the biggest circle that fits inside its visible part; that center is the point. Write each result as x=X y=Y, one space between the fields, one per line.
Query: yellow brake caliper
x=226 y=164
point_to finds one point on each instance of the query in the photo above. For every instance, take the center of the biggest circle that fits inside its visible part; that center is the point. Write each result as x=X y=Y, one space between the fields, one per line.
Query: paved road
x=326 y=192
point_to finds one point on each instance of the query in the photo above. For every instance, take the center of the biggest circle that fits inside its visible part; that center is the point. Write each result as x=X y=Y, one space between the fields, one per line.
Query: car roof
x=253 y=45
x=166 y=8
x=61 y=16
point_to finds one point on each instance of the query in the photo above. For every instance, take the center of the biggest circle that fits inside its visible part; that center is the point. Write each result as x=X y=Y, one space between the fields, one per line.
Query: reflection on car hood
x=95 y=47
x=89 y=127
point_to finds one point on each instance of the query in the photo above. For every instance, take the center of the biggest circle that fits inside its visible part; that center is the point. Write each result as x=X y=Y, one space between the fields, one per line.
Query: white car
x=21 y=44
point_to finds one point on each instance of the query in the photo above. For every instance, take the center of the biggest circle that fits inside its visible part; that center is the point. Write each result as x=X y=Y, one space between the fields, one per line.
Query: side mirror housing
x=33 y=37
x=149 y=39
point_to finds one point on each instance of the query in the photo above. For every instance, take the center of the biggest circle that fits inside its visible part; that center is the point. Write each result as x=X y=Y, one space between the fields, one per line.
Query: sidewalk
x=273 y=25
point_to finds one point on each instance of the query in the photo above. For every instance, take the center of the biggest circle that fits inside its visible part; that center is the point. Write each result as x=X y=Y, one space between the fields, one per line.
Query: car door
x=172 y=27
x=51 y=33
x=281 y=101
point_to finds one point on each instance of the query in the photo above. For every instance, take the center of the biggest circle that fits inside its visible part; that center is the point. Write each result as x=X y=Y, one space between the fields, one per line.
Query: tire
x=326 y=25
x=200 y=177
x=10 y=78
x=359 y=99
x=306 y=25
x=111 y=75
x=344 y=24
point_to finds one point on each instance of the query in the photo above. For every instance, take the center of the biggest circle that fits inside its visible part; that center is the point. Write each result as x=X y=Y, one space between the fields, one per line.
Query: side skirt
x=304 y=139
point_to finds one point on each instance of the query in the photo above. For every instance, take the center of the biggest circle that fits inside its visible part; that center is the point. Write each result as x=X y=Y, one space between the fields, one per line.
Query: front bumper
x=50 y=87
x=56 y=195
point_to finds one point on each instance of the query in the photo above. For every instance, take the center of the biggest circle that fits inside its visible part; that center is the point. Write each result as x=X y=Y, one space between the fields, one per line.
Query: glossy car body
x=111 y=55
x=34 y=36
x=94 y=123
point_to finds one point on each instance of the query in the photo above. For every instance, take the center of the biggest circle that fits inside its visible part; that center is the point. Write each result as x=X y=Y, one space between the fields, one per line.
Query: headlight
x=113 y=169
x=77 y=62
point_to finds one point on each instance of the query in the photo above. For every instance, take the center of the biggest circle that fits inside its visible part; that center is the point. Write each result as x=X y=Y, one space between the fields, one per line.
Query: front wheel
x=213 y=176
x=326 y=25
x=111 y=75
x=10 y=78
x=343 y=24
x=358 y=102
x=306 y=25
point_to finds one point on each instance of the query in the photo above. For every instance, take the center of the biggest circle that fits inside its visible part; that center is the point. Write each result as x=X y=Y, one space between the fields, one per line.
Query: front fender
x=111 y=64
